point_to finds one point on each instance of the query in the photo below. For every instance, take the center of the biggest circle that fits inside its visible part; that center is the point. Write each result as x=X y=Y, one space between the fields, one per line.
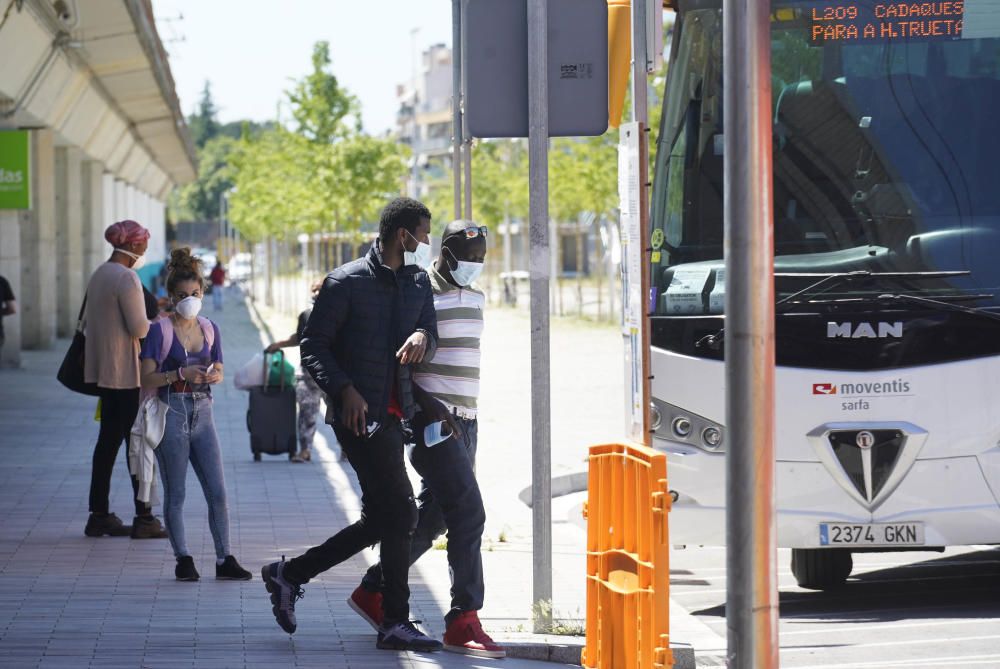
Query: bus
x=886 y=167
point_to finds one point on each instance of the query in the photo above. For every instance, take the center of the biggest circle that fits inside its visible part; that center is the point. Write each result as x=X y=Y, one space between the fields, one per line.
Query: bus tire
x=821 y=569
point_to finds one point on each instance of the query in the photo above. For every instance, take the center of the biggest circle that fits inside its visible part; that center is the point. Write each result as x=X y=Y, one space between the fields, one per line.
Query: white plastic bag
x=250 y=375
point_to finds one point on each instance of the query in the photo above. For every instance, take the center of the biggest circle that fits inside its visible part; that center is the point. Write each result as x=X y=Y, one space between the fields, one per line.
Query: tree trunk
x=579 y=267
x=599 y=248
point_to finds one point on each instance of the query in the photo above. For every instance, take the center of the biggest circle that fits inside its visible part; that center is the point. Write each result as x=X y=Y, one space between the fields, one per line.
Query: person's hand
x=437 y=412
x=195 y=374
x=354 y=410
x=413 y=349
x=214 y=377
x=272 y=348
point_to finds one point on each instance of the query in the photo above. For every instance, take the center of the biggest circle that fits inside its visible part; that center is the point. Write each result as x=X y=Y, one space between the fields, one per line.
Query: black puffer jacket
x=362 y=316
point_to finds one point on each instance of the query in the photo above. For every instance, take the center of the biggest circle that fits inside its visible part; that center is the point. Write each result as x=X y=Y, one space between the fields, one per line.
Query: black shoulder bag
x=71 y=371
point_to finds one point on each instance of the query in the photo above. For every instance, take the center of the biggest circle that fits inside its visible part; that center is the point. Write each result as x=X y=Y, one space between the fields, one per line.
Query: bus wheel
x=821 y=569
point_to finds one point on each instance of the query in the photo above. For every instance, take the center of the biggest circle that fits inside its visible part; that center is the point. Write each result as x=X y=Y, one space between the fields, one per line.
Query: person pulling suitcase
x=307 y=393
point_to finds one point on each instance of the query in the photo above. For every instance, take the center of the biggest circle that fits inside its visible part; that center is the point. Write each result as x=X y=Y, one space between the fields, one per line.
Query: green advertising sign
x=15 y=187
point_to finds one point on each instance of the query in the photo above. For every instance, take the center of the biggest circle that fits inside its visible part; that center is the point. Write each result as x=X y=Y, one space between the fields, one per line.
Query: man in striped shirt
x=446 y=391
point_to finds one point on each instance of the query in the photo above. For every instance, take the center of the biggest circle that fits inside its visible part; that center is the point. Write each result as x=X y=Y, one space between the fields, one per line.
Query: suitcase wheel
x=256 y=457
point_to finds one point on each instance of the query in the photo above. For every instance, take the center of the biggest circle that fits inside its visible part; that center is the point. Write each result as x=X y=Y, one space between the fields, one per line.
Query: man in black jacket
x=372 y=319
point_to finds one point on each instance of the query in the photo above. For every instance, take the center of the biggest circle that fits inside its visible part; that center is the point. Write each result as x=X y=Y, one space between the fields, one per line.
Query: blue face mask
x=464 y=273
x=421 y=256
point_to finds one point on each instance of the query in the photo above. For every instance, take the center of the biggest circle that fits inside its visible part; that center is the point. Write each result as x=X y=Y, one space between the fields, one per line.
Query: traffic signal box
x=628 y=569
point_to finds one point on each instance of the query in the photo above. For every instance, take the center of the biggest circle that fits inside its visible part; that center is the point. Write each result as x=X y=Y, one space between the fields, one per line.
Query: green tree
x=323 y=110
x=199 y=200
x=204 y=123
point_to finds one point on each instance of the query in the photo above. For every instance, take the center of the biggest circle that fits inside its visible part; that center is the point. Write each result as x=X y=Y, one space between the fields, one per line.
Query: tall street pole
x=456 y=103
x=541 y=431
x=751 y=583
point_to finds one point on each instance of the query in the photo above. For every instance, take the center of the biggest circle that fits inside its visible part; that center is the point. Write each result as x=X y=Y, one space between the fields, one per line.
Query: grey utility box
x=495 y=67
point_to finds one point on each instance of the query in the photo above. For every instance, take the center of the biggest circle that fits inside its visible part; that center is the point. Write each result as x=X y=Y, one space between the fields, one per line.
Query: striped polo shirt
x=453 y=375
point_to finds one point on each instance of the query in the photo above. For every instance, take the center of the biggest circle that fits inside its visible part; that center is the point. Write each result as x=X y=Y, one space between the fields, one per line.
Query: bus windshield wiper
x=950 y=306
x=828 y=281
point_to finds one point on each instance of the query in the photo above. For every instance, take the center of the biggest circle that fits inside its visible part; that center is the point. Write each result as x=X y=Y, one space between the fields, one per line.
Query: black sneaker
x=230 y=570
x=405 y=636
x=106 y=524
x=185 y=571
x=147 y=527
x=284 y=594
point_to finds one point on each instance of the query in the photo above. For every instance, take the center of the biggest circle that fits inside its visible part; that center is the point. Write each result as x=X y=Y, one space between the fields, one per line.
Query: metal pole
x=467 y=159
x=541 y=432
x=456 y=103
x=640 y=90
x=752 y=599
x=220 y=245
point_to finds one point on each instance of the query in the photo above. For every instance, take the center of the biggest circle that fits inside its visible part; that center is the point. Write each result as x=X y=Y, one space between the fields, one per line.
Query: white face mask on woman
x=189 y=307
x=421 y=256
x=140 y=261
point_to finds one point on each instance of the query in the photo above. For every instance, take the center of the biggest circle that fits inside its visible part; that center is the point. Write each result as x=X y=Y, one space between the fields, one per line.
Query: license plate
x=871 y=534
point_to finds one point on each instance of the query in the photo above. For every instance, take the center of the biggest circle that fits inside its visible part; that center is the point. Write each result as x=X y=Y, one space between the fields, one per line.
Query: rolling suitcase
x=271 y=418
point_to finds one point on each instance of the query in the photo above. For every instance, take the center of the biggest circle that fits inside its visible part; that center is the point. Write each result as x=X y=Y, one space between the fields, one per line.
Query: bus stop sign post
x=751 y=582
x=456 y=103
x=541 y=430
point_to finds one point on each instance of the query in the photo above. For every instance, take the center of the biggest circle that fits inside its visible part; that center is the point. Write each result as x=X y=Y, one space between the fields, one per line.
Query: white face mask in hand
x=189 y=307
x=420 y=257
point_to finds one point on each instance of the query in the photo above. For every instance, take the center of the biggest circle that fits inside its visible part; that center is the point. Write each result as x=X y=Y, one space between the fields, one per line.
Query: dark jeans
x=118 y=412
x=388 y=516
x=449 y=499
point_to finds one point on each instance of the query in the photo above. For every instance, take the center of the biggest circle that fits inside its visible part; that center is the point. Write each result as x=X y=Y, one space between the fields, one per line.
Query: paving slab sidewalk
x=71 y=601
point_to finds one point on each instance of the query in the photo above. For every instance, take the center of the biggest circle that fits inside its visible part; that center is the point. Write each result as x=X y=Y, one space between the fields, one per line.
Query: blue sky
x=249 y=49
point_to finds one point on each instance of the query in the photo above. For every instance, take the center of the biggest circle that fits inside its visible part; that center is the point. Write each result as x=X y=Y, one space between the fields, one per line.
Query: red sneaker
x=368 y=605
x=465 y=635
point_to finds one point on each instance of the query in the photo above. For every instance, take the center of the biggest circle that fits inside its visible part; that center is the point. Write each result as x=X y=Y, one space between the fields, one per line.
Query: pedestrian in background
x=182 y=360
x=218 y=279
x=116 y=320
x=307 y=393
x=447 y=392
x=8 y=306
x=373 y=318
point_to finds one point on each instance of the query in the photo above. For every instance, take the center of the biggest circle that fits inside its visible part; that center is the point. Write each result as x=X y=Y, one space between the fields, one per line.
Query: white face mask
x=420 y=257
x=465 y=273
x=189 y=307
x=140 y=261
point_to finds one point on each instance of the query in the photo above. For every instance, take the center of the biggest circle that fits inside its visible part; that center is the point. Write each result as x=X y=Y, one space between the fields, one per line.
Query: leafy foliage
x=320 y=106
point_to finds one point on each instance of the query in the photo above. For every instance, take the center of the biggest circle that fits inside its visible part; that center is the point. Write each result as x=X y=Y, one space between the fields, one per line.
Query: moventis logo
x=824 y=389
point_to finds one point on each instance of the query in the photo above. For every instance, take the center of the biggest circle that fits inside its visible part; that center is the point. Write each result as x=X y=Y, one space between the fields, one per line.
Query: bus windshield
x=885 y=151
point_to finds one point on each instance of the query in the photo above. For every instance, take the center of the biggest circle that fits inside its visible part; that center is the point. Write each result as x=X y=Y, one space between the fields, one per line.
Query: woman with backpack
x=181 y=361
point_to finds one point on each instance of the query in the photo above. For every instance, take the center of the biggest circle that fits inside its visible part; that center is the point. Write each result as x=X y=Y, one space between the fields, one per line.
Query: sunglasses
x=471 y=232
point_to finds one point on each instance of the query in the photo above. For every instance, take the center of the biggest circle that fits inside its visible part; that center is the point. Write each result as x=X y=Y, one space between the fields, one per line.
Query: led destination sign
x=881 y=21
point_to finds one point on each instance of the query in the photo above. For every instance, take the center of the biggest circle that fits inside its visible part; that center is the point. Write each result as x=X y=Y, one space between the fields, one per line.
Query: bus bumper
x=951 y=497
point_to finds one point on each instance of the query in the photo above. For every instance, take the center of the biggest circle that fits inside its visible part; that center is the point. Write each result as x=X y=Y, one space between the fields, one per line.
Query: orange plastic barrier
x=628 y=568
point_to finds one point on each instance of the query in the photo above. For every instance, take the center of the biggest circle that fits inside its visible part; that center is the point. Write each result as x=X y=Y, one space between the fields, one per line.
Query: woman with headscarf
x=116 y=320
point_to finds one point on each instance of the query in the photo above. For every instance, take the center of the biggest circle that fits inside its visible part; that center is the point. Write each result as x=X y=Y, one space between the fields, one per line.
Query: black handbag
x=71 y=371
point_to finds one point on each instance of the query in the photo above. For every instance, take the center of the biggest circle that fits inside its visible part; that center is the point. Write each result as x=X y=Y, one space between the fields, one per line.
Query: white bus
x=887 y=278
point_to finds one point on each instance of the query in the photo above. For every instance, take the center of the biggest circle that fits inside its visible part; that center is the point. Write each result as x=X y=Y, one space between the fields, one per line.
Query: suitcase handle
x=267 y=368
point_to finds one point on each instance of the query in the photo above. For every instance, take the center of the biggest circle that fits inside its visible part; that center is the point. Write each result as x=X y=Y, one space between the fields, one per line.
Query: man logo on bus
x=824 y=389
x=880 y=330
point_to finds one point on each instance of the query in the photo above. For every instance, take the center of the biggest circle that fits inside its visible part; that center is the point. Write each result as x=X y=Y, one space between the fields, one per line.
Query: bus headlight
x=681 y=427
x=712 y=437
x=671 y=423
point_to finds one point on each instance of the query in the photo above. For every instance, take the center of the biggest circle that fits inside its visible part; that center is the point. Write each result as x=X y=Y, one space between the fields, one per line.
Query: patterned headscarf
x=125 y=233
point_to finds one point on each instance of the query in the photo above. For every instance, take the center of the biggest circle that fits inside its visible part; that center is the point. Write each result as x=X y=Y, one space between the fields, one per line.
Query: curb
x=571 y=651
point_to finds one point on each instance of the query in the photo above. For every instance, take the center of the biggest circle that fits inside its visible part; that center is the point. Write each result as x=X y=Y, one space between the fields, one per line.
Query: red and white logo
x=824 y=389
